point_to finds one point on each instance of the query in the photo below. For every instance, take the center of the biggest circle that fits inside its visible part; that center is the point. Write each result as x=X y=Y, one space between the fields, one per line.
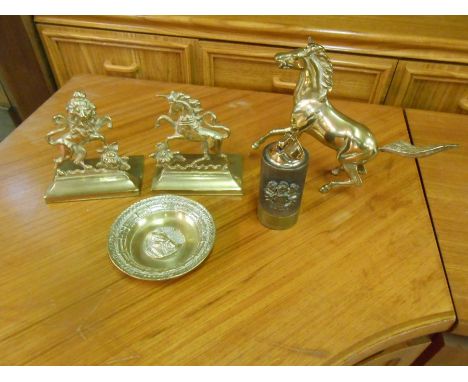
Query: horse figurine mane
x=192 y=105
x=325 y=66
x=314 y=114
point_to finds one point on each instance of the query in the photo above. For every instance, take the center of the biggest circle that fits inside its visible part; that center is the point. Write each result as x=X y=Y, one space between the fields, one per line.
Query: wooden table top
x=360 y=271
x=446 y=184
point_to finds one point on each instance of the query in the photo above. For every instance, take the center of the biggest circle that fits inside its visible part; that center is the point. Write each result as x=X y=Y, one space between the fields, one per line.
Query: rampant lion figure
x=81 y=126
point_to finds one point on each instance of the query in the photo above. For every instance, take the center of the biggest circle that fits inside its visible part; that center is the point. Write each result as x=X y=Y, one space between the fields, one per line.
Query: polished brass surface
x=78 y=178
x=287 y=152
x=224 y=181
x=162 y=237
x=212 y=171
x=96 y=184
x=408 y=150
x=314 y=114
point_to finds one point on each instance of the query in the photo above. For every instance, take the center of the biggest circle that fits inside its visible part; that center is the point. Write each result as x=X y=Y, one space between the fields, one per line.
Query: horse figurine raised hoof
x=314 y=114
x=211 y=172
x=77 y=177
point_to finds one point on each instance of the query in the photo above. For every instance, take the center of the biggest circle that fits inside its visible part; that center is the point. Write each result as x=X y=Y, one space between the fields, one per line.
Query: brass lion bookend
x=78 y=178
x=209 y=172
x=314 y=114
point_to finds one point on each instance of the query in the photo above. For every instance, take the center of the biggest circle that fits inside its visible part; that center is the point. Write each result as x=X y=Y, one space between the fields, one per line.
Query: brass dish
x=161 y=238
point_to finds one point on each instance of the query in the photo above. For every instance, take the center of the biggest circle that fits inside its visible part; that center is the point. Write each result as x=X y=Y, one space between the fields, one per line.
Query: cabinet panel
x=73 y=51
x=430 y=86
x=251 y=67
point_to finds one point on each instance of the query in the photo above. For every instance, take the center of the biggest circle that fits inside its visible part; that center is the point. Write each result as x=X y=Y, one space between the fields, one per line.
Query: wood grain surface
x=430 y=86
x=446 y=183
x=358 y=273
x=75 y=51
x=435 y=38
x=355 y=78
x=237 y=52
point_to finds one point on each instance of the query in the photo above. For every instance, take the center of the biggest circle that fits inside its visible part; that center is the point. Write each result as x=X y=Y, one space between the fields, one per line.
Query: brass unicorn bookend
x=78 y=178
x=210 y=172
x=314 y=114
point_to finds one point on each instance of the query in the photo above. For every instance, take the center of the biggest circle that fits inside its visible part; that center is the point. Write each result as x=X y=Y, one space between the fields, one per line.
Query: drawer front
x=73 y=51
x=423 y=85
x=399 y=355
x=250 y=67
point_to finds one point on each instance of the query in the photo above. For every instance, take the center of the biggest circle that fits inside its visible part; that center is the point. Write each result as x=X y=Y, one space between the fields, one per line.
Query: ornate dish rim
x=116 y=244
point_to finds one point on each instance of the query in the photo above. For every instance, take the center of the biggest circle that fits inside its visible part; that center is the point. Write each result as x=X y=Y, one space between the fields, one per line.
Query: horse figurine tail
x=408 y=150
x=212 y=123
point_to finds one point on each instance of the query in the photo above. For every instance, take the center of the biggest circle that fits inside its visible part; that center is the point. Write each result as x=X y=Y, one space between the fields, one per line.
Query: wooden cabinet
x=430 y=86
x=73 y=51
x=409 y=61
x=359 y=78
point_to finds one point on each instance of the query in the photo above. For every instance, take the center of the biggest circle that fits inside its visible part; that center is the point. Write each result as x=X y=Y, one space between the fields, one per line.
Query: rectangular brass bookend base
x=78 y=184
x=212 y=178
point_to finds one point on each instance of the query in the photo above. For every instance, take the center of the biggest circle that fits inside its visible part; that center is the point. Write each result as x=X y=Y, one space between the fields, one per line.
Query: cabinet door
x=430 y=86
x=252 y=67
x=73 y=51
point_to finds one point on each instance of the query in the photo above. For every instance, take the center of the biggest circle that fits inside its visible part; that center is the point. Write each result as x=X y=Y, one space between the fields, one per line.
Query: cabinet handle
x=278 y=83
x=109 y=67
x=463 y=103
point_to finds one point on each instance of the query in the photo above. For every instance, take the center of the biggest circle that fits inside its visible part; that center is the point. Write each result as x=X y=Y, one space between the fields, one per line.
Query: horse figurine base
x=77 y=178
x=211 y=172
x=95 y=183
x=219 y=176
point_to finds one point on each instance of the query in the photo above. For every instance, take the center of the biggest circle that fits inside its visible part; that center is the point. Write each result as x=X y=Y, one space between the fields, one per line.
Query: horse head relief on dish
x=313 y=114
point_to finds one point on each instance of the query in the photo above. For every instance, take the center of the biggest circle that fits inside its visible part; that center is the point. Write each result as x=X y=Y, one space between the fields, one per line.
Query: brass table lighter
x=78 y=178
x=282 y=178
x=211 y=172
x=313 y=114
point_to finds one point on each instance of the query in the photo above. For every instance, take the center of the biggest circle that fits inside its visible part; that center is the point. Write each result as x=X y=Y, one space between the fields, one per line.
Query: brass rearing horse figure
x=314 y=114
